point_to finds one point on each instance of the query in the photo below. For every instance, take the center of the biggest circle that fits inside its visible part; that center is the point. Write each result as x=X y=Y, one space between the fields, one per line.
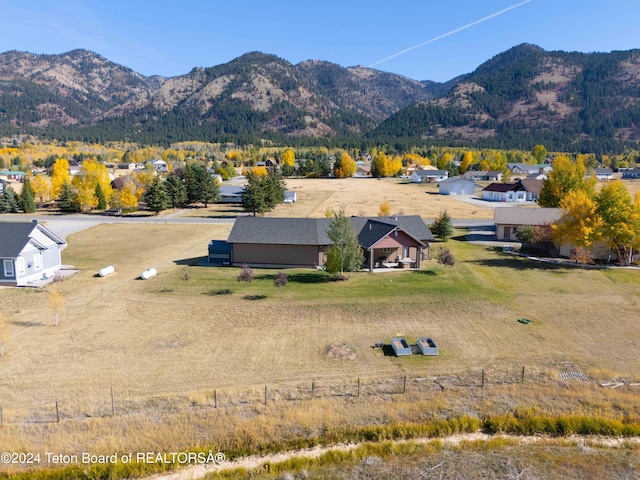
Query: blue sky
x=171 y=37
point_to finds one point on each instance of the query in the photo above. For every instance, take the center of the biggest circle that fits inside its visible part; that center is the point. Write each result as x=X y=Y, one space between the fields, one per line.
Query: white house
x=603 y=174
x=457 y=186
x=429 y=176
x=28 y=252
x=504 y=192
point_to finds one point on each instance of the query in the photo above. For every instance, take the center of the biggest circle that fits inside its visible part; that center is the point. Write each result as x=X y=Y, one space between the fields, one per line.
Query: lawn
x=164 y=338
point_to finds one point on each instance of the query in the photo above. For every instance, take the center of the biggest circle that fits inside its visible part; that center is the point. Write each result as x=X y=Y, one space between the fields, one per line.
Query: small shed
x=400 y=346
x=220 y=252
x=427 y=346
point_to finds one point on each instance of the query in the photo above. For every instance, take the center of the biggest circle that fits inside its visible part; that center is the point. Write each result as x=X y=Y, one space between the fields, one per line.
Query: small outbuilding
x=427 y=346
x=457 y=186
x=220 y=252
x=400 y=346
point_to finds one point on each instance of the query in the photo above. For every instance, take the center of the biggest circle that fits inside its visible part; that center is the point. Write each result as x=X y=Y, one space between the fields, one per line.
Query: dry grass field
x=361 y=196
x=164 y=344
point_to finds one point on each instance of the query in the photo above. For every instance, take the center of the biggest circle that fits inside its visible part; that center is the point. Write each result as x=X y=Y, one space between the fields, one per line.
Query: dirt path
x=201 y=470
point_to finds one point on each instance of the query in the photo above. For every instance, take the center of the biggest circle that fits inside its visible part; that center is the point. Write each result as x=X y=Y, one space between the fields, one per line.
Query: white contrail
x=469 y=25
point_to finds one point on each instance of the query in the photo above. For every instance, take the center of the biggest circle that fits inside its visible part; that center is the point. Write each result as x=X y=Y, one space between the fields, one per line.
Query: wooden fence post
x=482 y=378
x=404 y=385
x=57 y=413
x=113 y=404
x=313 y=388
x=358 y=386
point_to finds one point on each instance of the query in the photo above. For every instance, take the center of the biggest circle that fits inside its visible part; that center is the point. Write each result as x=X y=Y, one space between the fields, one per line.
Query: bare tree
x=280 y=281
x=56 y=302
x=444 y=257
x=246 y=275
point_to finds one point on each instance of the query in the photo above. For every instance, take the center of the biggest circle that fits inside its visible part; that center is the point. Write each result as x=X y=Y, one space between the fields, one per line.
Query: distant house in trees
x=484 y=176
x=631 y=174
x=457 y=186
x=526 y=169
x=231 y=194
x=10 y=175
x=428 y=176
x=28 y=252
x=401 y=241
x=603 y=174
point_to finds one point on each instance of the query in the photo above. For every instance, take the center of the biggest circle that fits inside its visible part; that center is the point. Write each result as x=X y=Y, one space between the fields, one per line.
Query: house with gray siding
x=399 y=241
x=28 y=252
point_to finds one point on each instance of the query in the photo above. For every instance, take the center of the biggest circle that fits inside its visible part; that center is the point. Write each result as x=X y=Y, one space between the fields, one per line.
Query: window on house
x=37 y=261
x=8 y=268
x=387 y=250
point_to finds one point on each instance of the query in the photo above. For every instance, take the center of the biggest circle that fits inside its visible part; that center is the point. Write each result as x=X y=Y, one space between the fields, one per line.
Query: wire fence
x=74 y=405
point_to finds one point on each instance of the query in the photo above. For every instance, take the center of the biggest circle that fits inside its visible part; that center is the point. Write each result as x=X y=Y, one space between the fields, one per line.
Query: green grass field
x=164 y=344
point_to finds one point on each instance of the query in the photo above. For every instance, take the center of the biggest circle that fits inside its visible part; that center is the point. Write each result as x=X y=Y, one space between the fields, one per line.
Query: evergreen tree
x=156 y=196
x=200 y=184
x=254 y=195
x=176 y=191
x=442 y=227
x=68 y=199
x=102 y=201
x=27 y=200
x=345 y=255
x=9 y=201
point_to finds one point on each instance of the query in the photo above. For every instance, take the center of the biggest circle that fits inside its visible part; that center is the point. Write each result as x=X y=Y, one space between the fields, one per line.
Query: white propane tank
x=147 y=274
x=106 y=271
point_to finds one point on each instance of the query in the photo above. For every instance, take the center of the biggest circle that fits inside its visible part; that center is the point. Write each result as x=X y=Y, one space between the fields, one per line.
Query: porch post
x=371 y=260
x=418 y=255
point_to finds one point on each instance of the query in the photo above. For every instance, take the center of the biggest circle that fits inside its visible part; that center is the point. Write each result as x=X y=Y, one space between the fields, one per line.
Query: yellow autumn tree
x=59 y=176
x=142 y=180
x=289 y=157
x=467 y=161
x=345 y=166
x=580 y=223
x=41 y=188
x=384 y=210
x=91 y=174
x=128 y=197
x=444 y=161
x=259 y=171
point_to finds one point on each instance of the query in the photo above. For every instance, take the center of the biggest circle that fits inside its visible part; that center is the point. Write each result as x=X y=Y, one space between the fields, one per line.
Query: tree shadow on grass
x=214 y=293
x=254 y=297
x=430 y=273
x=309 y=278
x=519 y=263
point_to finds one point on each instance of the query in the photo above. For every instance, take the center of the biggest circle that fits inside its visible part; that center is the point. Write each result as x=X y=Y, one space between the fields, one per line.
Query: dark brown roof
x=532 y=185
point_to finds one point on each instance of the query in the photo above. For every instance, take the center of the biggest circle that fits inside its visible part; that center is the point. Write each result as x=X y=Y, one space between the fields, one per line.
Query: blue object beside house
x=28 y=252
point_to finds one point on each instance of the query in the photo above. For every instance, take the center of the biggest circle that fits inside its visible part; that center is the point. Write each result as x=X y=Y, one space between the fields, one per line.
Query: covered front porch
x=397 y=250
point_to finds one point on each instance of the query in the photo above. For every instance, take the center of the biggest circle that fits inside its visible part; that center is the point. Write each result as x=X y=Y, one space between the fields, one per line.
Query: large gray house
x=28 y=252
x=401 y=241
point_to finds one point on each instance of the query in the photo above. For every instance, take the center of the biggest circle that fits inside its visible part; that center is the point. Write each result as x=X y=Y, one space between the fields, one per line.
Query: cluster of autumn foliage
x=609 y=215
